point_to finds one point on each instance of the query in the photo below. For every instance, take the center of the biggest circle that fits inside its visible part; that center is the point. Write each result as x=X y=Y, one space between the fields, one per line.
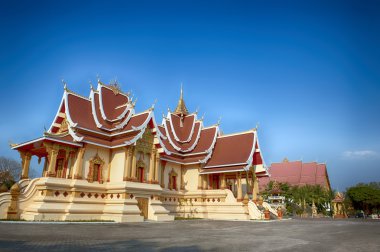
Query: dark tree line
x=364 y=197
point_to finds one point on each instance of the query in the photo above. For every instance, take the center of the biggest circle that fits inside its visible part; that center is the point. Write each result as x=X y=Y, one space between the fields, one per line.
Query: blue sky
x=307 y=72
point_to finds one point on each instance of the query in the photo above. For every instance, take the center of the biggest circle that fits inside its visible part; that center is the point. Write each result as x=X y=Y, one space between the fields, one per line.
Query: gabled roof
x=236 y=152
x=187 y=141
x=297 y=173
x=107 y=118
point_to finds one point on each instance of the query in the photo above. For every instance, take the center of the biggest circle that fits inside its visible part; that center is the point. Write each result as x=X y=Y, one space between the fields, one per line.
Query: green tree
x=365 y=197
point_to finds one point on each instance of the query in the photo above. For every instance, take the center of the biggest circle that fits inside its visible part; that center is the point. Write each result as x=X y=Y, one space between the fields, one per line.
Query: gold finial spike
x=196 y=111
x=181 y=107
x=98 y=77
x=181 y=91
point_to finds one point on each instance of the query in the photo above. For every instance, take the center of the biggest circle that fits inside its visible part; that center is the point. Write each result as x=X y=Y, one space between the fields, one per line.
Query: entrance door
x=143 y=206
x=140 y=175
x=215 y=182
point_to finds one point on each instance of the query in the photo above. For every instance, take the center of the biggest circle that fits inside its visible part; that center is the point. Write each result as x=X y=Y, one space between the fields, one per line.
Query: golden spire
x=181 y=107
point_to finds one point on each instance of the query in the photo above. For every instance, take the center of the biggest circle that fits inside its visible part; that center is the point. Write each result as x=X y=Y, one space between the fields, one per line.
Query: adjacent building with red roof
x=297 y=173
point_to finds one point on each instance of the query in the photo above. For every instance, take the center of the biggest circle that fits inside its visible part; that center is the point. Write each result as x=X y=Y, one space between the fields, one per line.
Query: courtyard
x=194 y=235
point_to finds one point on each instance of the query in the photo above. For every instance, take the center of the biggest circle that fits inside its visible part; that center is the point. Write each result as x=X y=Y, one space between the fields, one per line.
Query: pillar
x=255 y=185
x=239 y=187
x=247 y=183
x=199 y=182
x=151 y=166
x=66 y=163
x=204 y=183
x=25 y=162
x=12 y=212
x=223 y=181
x=127 y=165
x=52 y=150
x=156 y=167
x=78 y=174
x=163 y=174
x=72 y=165
x=182 y=178
x=134 y=164
x=255 y=190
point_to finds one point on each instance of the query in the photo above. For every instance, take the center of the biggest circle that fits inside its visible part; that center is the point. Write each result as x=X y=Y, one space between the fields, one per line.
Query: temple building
x=104 y=161
x=297 y=173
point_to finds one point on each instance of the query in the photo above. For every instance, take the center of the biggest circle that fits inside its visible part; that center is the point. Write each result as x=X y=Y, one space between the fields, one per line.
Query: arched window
x=95 y=171
x=172 y=180
x=141 y=171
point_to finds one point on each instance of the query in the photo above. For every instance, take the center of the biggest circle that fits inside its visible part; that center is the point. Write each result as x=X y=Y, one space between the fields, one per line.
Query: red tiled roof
x=185 y=139
x=106 y=118
x=297 y=173
x=234 y=149
x=111 y=102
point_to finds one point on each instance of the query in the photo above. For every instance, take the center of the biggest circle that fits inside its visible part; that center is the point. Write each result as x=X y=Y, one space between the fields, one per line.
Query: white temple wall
x=89 y=154
x=191 y=178
x=117 y=165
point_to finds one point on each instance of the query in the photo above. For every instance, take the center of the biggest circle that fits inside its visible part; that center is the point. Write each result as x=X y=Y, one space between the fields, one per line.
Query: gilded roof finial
x=134 y=103
x=154 y=103
x=218 y=123
x=181 y=107
x=11 y=144
x=91 y=87
x=64 y=85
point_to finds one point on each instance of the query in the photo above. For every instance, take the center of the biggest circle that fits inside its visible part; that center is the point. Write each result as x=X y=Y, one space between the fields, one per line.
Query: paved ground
x=194 y=235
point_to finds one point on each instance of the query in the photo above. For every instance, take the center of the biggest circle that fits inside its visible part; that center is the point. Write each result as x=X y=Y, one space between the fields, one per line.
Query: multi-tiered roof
x=106 y=118
x=188 y=142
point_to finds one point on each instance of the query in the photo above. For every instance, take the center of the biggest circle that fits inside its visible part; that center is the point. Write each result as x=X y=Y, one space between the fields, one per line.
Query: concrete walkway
x=194 y=235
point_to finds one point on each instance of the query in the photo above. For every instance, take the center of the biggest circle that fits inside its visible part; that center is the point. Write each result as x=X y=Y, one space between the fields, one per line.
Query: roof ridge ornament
x=203 y=117
x=196 y=111
x=91 y=86
x=11 y=144
x=152 y=107
x=181 y=107
x=218 y=123
x=134 y=102
x=64 y=85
